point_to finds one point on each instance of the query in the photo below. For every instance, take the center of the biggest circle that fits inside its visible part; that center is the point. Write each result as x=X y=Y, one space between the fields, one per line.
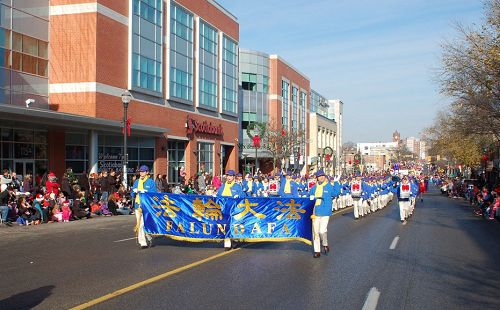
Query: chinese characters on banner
x=203 y=218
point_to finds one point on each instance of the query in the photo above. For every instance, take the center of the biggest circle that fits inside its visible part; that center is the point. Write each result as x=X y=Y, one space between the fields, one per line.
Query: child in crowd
x=66 y=211
x=57 y=215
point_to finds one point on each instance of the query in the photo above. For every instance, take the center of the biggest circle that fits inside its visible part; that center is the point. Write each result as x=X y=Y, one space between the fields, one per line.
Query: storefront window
x=141 y=151
x=176 y=160
x=205 y=157
x=76 y=152
x=23 y=150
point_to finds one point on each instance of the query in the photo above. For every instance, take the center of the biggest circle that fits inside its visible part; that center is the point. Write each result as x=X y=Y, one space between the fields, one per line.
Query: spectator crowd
x=484 y=200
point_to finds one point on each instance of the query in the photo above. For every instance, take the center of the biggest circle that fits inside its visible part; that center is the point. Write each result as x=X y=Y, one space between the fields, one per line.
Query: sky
x=379 y=57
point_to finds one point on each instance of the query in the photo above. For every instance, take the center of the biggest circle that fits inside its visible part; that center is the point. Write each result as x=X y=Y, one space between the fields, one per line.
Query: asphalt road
x=443 y=258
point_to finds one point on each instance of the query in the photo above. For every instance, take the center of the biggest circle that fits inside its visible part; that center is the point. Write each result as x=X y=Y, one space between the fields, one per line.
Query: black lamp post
x=126 y=97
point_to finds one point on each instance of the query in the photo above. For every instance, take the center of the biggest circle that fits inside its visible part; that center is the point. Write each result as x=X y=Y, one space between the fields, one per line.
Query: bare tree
x=281 y=143
x=470 y=74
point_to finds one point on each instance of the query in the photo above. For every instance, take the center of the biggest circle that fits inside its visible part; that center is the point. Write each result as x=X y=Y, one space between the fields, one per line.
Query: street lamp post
x=126 y=97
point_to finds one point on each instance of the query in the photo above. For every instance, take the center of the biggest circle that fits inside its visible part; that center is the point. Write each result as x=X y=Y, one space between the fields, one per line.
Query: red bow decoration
x=129 y=121
x=256 y=141
x=283 y=132
x=328 y=157
x=406 y=188
x=355 y=187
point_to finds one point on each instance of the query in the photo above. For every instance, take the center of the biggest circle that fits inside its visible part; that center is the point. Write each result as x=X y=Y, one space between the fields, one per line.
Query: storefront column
x=93 y=150
x=217 y=158
x=232 y=162
x=191 y=158
x=57 y=152
x=161 y=161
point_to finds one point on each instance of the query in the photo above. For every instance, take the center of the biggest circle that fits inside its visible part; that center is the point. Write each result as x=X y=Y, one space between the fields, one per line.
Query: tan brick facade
x=89 y=52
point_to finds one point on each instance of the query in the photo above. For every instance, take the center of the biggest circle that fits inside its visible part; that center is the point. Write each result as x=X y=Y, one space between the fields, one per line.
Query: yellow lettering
x=181 y=228
x=285 y=229
x=205 y=229
x=256 y=228
x=270 y=227
x=238 y=229
x=192 y=229
x=221 y=230
x=169 y=225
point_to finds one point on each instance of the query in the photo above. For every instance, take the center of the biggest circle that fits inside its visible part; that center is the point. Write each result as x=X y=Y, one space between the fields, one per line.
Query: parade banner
x=203 y=218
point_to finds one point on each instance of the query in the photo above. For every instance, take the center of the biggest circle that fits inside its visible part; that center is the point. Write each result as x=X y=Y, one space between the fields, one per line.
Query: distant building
x=336 y=111
x=416 y=146
x=396 y=137
x=377 y=156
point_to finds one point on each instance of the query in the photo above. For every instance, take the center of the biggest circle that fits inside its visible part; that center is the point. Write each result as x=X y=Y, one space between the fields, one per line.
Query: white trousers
x=404 y=208
x=349 y=201
x=320 y=232
x=358 y=207
x=374 y=205
x=343 y=200
x=141 y=235
x=336 y=203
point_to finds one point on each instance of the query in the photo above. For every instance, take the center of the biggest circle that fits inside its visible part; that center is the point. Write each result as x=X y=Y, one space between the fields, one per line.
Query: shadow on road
x=28 y=299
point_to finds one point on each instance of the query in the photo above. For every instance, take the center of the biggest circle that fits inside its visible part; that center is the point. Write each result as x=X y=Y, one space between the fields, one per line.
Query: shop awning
x=15 y=115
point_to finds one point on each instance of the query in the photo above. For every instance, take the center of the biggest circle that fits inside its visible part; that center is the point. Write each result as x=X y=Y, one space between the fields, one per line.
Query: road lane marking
x=372 y=299
x=150 y=281
x=125 y=239
x=394 y=243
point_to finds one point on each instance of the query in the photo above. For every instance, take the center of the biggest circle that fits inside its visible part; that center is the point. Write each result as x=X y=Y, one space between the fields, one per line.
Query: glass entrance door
x=24 y=167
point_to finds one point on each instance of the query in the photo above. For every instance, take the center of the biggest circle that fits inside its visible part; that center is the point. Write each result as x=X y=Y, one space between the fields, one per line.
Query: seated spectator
x=493 y=209
x=123 y=206
x=104 y=207
x=79 y=209
x=57 y=215
x=5 y=196
x=112 y=205
x=95 y=208
x=38 y=204
x=27 y=214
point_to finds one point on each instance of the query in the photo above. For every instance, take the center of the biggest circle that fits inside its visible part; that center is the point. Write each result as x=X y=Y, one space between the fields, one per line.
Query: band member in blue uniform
x=289 y=187
x=230 y=188
x=323 y=193
x=141 y=185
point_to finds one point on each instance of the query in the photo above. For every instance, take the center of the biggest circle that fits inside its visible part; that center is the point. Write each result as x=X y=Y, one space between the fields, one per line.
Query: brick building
x=67 y=62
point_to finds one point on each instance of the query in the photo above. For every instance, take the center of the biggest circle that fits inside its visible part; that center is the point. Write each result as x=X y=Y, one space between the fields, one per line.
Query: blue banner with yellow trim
x=203 y=218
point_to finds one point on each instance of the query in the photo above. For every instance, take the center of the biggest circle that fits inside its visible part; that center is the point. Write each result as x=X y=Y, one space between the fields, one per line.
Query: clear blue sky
x=378 y=57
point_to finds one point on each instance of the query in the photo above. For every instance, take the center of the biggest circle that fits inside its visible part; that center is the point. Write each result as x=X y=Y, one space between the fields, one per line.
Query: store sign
x=193 y=126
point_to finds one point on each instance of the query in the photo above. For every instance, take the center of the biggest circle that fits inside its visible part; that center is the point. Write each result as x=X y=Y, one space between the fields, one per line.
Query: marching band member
x=230 y=188
x=337 y=187
x=274 y=185
x=356 y=191
x=257 y=187
x=323 y=192
x=141 y=185
x=288 y=188
x=344 y=190
x=366 y=197
x=265 y=187
x=404 y=195
x=248 y=185
x=414 y=192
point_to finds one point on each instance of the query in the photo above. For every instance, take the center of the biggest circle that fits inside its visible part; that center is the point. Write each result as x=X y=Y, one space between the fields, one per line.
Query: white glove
x=142 y=192
x=236 y=196
x=135 y=190
x=311 y=197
